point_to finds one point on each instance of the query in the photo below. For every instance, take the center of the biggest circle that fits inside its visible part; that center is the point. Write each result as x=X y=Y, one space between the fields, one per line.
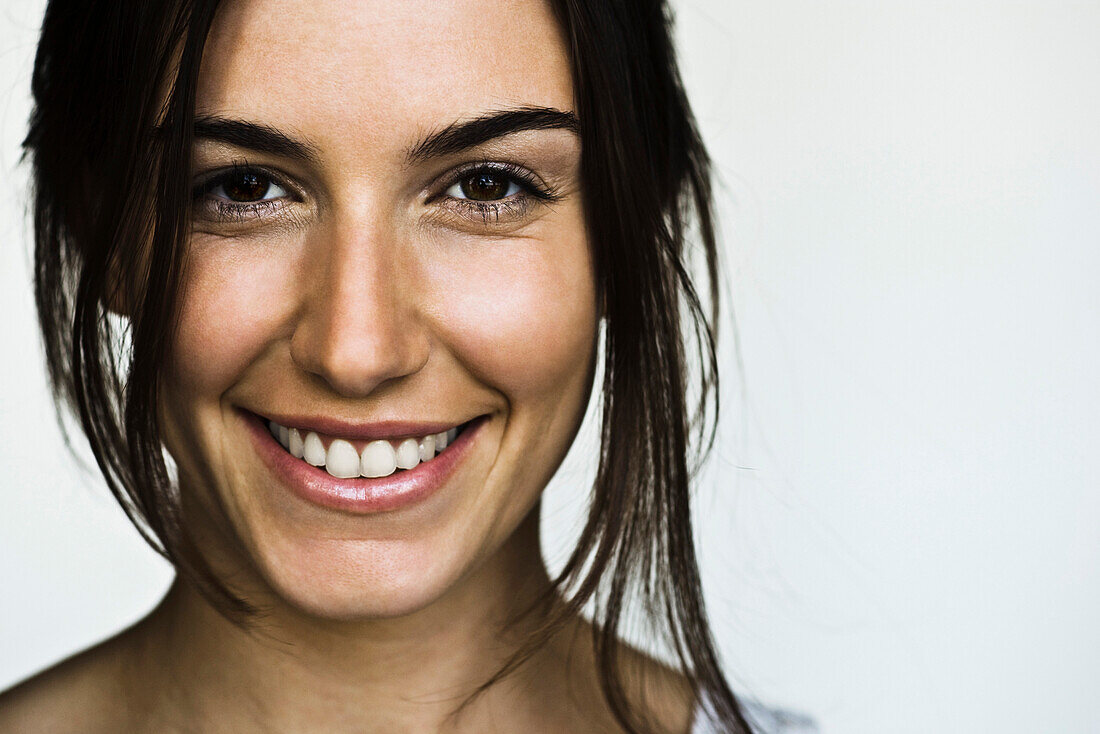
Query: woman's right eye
x=240 y=193
x=246 y=186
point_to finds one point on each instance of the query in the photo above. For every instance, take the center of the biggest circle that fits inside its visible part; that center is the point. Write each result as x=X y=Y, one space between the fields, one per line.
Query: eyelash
x=226 y=210
x=514 y=206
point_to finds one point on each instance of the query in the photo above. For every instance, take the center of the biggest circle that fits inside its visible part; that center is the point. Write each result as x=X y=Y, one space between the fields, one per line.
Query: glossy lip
x=361 y=495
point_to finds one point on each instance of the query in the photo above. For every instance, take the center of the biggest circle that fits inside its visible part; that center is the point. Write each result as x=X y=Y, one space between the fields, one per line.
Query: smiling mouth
x=347 y=458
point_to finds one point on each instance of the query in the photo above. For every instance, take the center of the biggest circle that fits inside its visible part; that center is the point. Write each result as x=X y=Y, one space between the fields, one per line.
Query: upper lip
x=365 y=431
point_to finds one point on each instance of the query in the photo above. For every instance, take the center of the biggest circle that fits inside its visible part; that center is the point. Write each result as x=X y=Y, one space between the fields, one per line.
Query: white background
x=899 y=528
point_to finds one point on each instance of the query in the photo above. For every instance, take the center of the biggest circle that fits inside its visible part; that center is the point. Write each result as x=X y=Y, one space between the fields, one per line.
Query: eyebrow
x=252 y=135
x=458 y=136
x=453 y=138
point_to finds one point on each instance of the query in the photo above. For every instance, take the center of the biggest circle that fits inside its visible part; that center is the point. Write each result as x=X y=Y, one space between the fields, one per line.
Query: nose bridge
x=358 y=327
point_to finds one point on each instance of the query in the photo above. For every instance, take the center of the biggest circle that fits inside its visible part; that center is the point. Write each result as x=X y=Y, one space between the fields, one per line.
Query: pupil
x=484 y=186
x=247 y=187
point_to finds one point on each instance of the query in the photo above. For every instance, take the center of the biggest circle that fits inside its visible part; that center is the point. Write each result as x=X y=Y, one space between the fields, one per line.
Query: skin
x=367 y=293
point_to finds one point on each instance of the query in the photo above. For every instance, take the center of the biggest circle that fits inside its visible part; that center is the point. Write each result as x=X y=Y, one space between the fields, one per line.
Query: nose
x=358 y=326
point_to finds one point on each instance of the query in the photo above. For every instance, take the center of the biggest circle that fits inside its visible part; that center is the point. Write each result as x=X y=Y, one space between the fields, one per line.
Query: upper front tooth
x=313 y=451
x=284 y=436
x=427 y=448
x=408 y=454
x=379 y=459
x=440 y=440
x=342 y=460
x=297 y=446
x=451 y=433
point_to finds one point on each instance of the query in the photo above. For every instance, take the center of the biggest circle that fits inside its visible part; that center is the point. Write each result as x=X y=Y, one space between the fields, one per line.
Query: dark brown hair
x=111 y=179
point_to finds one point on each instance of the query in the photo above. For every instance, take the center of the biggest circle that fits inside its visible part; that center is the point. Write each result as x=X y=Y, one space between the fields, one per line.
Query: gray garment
x=763 y=720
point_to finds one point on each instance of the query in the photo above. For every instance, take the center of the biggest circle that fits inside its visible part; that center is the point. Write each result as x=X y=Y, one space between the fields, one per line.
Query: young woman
x=355 y=266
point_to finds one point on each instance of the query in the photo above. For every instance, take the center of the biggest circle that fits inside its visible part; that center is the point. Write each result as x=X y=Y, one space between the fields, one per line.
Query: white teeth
x=408 y=454
x=379 y=459
x=297 y=446
x=427 y=448
x=342 y=460
x=313 y=451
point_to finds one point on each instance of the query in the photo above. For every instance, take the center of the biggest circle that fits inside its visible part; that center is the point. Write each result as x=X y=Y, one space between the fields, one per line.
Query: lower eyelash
x=491 y=212
x=237 y=212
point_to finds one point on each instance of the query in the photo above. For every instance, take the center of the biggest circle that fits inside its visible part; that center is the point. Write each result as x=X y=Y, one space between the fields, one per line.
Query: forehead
x=381 y=69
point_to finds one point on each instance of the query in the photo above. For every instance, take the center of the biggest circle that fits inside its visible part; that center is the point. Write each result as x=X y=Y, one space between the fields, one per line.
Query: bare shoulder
x=661 y=690
x=661 y=694
x=83 y=693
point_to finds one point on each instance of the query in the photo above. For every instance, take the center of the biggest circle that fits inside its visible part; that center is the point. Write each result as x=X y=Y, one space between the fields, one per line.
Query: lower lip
x=361 y=495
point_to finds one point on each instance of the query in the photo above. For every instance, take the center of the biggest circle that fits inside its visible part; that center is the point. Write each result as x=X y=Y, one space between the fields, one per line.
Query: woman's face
x=368 y=267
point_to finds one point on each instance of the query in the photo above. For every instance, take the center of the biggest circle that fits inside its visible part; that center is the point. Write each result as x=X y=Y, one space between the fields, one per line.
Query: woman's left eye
x=495 y=193
x=484 y=185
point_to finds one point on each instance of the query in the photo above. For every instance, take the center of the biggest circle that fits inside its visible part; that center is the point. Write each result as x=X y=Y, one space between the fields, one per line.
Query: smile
x=361 y=469
x=346 y=458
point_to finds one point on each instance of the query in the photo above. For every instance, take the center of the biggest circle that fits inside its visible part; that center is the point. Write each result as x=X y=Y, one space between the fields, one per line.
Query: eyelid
x=210 y=179
x=491 y=215
x=531 y=183
x=219 y=210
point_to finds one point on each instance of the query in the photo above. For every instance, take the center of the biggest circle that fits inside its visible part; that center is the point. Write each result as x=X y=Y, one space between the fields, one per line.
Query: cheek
x=229 y=312
x=522 y=313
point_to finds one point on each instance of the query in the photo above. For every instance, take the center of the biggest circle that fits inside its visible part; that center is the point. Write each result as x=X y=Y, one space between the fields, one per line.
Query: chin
x=353 y=580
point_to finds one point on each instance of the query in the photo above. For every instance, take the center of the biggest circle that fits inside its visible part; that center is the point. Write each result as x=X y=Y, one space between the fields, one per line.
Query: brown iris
x=246 y=186
x=484 y=186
